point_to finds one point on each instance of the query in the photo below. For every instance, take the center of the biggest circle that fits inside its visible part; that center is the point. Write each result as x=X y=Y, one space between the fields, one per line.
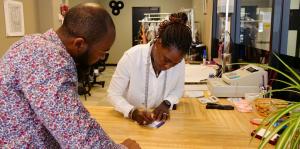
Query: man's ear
x=79 y=45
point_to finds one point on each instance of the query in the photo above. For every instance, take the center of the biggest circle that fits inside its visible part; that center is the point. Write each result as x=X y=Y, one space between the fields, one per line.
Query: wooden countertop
x=191 y=126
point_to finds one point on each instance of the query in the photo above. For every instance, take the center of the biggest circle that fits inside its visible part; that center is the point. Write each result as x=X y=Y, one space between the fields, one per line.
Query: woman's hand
x=161 y=113
x=142 y=117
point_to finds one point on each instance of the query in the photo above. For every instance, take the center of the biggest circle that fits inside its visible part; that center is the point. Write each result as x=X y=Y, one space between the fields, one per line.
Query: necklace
x=156 y=71
x=147 y=79
x=153 y=65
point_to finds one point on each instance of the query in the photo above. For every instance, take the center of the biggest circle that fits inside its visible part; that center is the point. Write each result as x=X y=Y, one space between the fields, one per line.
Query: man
x=39 y=104
x=151 y=76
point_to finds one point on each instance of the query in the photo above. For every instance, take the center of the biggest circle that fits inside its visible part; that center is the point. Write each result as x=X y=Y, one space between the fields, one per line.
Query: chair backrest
x=84 y=85
x=103 y=63
x=106 y=57
x=100 y=65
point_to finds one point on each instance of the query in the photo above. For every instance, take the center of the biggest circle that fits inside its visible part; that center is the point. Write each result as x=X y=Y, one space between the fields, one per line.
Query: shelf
x=254 y=21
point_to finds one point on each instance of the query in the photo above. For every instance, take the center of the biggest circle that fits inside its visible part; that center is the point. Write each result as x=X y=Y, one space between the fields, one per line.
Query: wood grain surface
x=191 y=126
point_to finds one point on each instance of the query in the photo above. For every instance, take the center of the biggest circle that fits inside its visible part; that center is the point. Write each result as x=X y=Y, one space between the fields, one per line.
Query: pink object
x=243 y=106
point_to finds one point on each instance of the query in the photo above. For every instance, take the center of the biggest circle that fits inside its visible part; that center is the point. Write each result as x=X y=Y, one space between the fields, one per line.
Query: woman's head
x=180 y=15
x=173 y=42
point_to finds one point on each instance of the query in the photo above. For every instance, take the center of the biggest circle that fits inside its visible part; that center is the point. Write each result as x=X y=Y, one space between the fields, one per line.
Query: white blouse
x=127 y=87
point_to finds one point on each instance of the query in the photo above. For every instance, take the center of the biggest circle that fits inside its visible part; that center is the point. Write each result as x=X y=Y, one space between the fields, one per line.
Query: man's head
x=87 y=32
x=173 y=42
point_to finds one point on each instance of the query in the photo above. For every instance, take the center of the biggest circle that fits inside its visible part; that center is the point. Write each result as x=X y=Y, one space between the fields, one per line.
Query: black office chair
x=96 y=70
x=88 y=77
x=84 y=84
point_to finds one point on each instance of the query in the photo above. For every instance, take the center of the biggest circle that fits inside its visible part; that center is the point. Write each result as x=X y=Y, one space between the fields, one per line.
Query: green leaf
x=264 y=123
x=282 y=73
x=283 y=90
x=296 y=127
x=288 y=67
x=276 y=117
x=285 y=82
x=296 y=144
x=272 y=133
x=295 y=113
x=290 y=138
x=285 y=137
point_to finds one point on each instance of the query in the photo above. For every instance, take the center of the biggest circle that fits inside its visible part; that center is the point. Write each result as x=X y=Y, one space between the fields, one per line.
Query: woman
x=151 y=76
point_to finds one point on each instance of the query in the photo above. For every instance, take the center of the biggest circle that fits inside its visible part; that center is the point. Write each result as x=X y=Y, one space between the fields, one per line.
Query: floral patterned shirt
x=39 y=103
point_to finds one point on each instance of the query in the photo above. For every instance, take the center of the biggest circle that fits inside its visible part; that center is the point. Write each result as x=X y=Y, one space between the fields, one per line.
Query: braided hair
x=174 y=32
x=180 y=15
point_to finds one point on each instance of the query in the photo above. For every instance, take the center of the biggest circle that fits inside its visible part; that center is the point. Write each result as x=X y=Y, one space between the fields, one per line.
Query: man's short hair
x=89 y=22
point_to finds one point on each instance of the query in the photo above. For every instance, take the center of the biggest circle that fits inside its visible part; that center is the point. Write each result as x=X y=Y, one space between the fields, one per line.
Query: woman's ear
x=159 y=42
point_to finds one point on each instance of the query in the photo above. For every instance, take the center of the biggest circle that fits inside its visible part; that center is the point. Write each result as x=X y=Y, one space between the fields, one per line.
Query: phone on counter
x=218 y=106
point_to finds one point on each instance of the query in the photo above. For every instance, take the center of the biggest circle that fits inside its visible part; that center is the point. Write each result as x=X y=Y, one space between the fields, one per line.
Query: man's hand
x=131 y=144
x=161 y=113
x=142 y=117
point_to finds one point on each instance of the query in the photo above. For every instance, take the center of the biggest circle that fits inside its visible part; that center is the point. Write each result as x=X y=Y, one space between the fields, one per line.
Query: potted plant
x=290 y=137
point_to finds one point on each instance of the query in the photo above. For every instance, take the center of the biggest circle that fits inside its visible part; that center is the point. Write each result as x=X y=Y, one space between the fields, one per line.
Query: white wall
x=123 y=21
x=30 y=22
x=45 y=15
x=199 y=18
x=205 y=22
x=40 y=15
x=48 y=14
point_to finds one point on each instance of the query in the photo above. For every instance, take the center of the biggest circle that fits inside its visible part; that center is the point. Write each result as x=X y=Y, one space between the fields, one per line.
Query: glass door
x=253 y=34
x=255 y=23
x=258 y=28
x=252 y=31
x=290 y=39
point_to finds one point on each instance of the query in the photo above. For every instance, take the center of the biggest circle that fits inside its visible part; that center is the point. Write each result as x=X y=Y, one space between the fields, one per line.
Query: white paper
x=193 y=94
x=207 y=100
x=295 y=4
x=195 y=87
x=266 y=17
x=156 y=124
x=292 y=42
x=196 y=73
x=260 y=27
x=14 y=18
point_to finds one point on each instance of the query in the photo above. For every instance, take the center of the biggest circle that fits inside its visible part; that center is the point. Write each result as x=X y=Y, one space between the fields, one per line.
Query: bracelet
x=131 y=113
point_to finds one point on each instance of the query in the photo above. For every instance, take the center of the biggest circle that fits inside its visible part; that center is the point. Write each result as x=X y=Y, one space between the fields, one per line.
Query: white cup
x=251 y=96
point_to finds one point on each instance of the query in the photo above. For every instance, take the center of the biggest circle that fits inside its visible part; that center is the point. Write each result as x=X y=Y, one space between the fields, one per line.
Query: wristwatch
x=167 y=103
